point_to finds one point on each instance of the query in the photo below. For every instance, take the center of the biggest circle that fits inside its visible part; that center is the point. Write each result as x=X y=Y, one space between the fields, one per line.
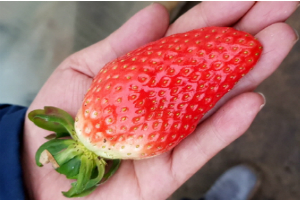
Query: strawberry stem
x=66 y=155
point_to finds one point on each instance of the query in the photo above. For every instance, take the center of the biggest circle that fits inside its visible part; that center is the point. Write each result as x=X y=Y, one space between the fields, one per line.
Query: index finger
x=139 y=30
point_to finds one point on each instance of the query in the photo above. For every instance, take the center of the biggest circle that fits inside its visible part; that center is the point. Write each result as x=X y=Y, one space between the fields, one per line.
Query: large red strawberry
x=145 y=102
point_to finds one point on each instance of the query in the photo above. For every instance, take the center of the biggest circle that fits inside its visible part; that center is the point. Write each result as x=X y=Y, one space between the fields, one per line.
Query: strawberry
x=147 y=101
x=144 y=103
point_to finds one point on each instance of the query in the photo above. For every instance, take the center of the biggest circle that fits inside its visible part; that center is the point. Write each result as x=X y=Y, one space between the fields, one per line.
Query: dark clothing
x=11 y=132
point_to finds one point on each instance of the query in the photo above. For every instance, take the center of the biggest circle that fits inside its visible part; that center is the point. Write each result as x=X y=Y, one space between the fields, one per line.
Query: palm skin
x=159 y=177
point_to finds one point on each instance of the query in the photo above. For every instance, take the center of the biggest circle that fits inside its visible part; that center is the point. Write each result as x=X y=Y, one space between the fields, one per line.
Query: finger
x=229 y=123
x=263 y=14
x=147 y=25
x=210 y=14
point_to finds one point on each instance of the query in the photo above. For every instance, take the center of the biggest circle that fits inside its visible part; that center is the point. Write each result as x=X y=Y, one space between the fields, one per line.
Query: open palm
x=159 y=177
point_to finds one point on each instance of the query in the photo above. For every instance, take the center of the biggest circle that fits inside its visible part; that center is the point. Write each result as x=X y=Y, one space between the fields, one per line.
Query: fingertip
x=289 y=32
x=281 y=32
x=159 y=6
x=253 y=101
x=163 y=16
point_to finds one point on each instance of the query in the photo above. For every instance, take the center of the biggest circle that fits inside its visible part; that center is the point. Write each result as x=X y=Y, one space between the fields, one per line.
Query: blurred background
x=36 y=36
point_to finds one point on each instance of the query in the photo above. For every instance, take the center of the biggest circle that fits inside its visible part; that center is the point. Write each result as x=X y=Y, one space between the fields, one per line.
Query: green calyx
x=69 y=156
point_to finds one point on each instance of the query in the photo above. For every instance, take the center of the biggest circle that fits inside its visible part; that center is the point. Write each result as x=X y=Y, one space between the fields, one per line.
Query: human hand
x=159 y=177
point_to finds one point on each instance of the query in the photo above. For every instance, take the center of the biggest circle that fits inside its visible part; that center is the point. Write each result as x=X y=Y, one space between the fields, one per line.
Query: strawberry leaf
x=91 y=184
x=70 y=168
x=112 y=170
x=53 y=146
x=82 y=194
x=84 y=175
x=72 y=191
x=100 y=170
x=54 y=119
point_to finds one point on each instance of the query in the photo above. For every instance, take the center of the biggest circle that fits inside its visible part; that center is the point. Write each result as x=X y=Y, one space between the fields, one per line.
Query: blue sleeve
x=11 y=132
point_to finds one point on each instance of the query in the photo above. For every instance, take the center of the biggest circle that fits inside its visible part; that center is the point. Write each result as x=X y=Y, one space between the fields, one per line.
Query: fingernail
x=264 y=98
x=297 y=35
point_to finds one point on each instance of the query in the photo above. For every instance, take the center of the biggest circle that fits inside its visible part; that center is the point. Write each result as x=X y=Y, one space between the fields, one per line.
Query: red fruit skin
x=147 y=101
